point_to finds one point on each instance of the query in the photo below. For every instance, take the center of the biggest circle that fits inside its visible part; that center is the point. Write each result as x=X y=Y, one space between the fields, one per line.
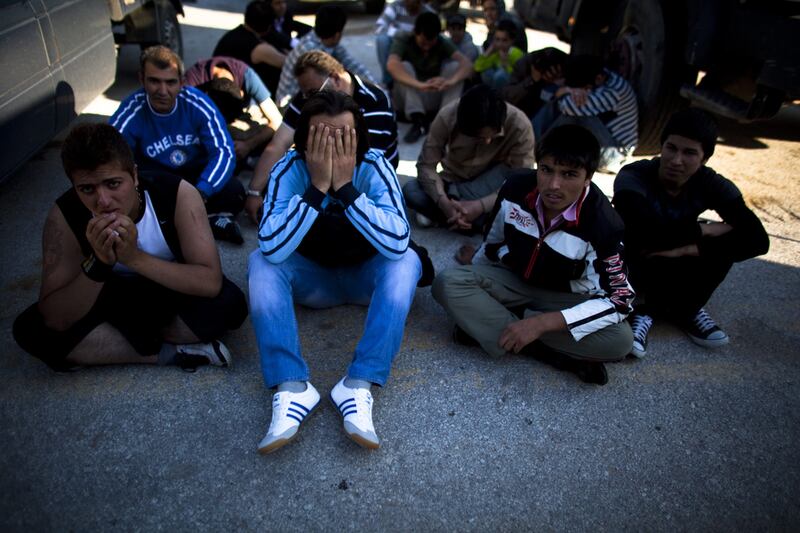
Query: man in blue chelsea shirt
x=176 y=129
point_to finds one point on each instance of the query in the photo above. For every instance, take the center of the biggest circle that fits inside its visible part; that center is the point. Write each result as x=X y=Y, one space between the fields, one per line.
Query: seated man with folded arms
x=677 y=262
x=428 y=71
x=477 y=140
x=314 y=71
x=556 y=284
x=130 y=272
x=334 y=232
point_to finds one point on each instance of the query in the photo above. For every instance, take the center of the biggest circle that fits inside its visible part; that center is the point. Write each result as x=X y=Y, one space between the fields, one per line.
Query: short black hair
x=581 y=70
x=330 y=21
x=259 y=17
x=548 y=57
x=694 y=124
x=570 y=145
x=89 y=146
x=428 y=24
x=457 y=20
x=480 y=107
x=331 y=103
x=226 y=95
x=507 y=26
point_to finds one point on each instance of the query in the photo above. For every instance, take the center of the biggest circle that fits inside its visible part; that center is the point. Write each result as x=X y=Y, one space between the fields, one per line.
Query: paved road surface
x=686 y=439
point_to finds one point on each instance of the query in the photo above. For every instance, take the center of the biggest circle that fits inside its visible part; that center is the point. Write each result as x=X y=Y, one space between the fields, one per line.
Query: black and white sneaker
x=225 y=228
x=640 y=325
x=214 y=353
x=704 y=331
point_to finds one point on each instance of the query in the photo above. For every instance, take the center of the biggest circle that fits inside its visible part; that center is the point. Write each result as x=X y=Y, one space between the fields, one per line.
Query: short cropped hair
x=331 y=103
x=89 y=146
x=480 y=107
x=457 y=20
x=258 y=16
x=226 y=95
x=694 y=124
x=427 y=24
x=162 y=58
x=321 y=62
x=330 y=21
x=549 y=57
x=570 y=145
x=581 y=70
x=507 y=26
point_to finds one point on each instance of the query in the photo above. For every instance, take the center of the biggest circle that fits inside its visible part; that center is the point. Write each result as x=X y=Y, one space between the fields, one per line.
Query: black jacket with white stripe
x=583 y=257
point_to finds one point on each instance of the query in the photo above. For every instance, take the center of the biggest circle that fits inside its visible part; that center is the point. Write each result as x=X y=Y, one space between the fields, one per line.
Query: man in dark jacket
x=556 y=276
x=677 y=262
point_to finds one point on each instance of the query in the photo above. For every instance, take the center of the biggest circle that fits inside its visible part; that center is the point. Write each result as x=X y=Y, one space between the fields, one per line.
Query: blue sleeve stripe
x=288 y=219
x=275 y=181
x=389 y=187
x=379 y=243
x=225 y=154
x=289 y=237
x=131 y=110
x=377 y=228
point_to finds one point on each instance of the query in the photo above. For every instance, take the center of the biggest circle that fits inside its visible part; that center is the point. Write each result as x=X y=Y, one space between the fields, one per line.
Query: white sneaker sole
x=709 y=343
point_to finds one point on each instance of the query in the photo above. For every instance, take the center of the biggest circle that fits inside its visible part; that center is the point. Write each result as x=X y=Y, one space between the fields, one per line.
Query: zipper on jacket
x=539 y=242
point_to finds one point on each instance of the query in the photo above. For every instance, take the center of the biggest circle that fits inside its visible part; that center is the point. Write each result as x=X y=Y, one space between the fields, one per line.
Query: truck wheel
x=374 y=6
x=168 y=29
x=646 y=45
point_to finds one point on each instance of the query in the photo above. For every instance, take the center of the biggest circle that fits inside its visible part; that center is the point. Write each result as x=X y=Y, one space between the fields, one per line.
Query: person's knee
x=263 y=277
x=401 y=276
x=447 y=280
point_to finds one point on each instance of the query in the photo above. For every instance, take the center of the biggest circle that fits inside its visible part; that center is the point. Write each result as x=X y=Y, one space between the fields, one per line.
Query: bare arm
x=277 y=148
x=394 y=65
x=201 y=274
x=266 y=53
x=271 y=113
x=66 y=294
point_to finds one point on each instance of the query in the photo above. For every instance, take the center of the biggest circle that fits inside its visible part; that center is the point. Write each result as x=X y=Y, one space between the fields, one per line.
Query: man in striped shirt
x=176 y=129
x=315 y=70
x=328 y=28
x=599 y=100
x=334 y=232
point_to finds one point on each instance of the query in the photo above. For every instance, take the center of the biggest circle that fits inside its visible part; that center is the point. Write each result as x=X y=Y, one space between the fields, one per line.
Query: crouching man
x=334 y=232
x=130 y=271
x=556 y=276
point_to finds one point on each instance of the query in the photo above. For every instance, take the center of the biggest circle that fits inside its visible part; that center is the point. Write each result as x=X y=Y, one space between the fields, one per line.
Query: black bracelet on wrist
x=96 y=270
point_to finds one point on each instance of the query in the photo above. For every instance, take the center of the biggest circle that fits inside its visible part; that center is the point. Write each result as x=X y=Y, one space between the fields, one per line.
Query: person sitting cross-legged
x=428 y=71
x=476 y=140
x=130 y=273
x=677 y=262
x=334 y=232
x=556 y=283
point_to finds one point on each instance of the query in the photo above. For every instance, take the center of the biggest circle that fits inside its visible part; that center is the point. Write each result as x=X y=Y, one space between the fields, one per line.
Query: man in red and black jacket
x=555 y=283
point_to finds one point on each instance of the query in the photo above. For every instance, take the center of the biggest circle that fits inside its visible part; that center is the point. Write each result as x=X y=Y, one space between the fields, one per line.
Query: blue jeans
x=386 y=286
x=383 y=43
x=495 y=77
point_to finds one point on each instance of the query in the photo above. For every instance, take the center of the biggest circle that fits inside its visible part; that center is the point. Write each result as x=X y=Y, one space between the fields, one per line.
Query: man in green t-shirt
x=428 y=71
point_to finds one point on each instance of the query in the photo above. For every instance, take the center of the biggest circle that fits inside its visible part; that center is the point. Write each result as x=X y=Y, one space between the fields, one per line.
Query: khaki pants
x=478 y=298
x=410 y=100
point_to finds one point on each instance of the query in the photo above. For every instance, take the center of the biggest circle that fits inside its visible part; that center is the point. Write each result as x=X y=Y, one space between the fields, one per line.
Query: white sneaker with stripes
x=289 y=409
x=355 y=406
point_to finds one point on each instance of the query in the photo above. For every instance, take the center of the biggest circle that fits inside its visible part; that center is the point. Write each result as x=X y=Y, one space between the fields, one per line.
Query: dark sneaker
x=225 y=228
x=640 y=325
x=190 y=356
x=414 y=133
x=704 y=331
x=591 y=372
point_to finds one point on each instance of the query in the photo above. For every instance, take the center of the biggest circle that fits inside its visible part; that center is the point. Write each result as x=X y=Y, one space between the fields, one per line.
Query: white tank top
x=150 y=240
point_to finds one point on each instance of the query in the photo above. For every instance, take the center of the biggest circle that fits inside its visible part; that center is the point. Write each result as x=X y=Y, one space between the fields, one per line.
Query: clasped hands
x=331 y=156
x=460 y=213
x=113 y=237
x=435 y=85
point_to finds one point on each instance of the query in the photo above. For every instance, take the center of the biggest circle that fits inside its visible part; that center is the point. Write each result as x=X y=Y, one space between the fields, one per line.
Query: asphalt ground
x=686 y=439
